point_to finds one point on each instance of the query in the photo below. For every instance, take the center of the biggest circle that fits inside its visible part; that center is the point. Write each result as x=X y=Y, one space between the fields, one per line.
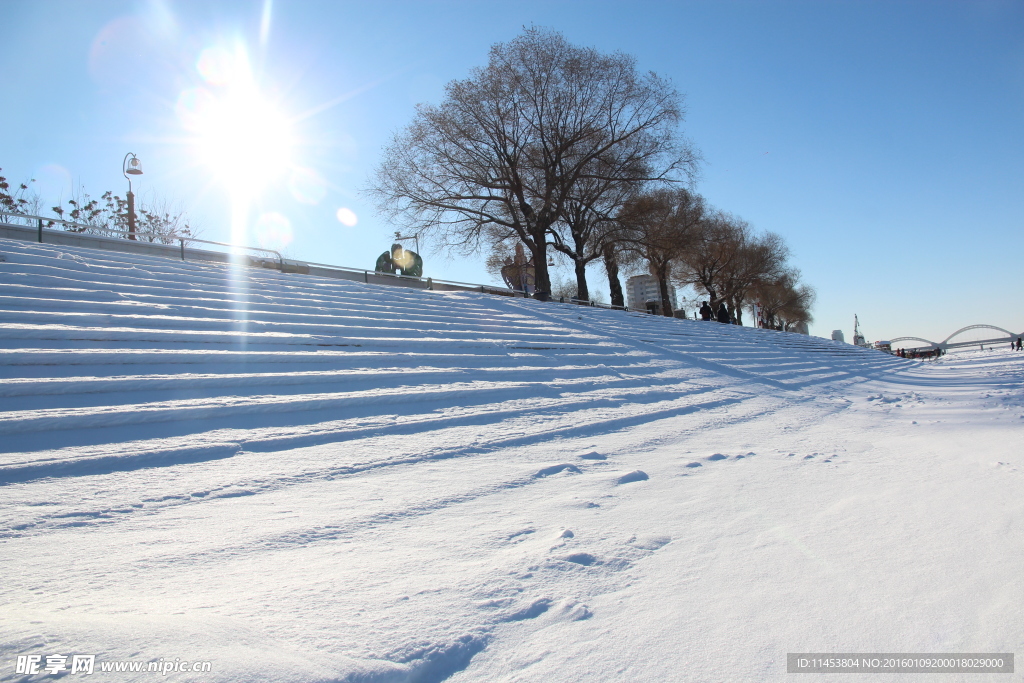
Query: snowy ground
x=300 y=479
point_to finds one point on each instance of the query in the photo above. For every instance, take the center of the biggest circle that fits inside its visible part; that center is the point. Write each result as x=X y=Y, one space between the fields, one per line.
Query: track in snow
x=278 y=454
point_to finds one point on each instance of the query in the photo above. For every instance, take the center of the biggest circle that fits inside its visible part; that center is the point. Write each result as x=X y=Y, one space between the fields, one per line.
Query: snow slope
x=302 y=479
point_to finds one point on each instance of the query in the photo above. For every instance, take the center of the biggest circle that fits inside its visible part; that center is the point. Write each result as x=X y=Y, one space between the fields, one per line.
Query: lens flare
x=193 y=107
x=347 y=217
x=274 y=231
x=217 y=66
x=307 y=186
x=122 y=53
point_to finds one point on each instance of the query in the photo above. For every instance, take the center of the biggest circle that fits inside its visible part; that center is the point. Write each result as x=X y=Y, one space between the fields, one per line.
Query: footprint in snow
x=649 y=542
x=555 y=469
x=716 y=457
x=585 y=559
x=636 y=475
x=566 y=610
x=562 y=540
x=536 y=608
x=520 y=535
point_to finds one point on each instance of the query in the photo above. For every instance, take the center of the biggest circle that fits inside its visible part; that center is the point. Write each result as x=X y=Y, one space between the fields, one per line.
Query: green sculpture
x=400 y=261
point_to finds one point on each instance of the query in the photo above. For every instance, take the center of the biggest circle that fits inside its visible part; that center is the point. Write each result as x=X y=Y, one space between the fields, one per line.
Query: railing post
x=182 y=249
x=366 y=277
x=40 y=221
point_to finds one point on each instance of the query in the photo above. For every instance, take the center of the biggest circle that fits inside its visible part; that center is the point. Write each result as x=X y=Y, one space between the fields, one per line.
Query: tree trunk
x=539 y=250
x=582 y=291
x=713 y=298
x=737 y=310
x=611 y=265
x=666 y=301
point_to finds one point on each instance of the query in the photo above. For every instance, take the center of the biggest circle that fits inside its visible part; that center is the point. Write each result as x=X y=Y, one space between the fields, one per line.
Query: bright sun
x=246 y=141
x=240 y=135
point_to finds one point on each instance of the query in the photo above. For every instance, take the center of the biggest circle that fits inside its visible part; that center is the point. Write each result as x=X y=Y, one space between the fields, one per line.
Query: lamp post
x=130 y=167
x=399 y=238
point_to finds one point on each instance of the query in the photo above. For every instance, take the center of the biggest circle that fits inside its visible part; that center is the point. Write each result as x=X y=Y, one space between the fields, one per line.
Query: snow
x=303 y=479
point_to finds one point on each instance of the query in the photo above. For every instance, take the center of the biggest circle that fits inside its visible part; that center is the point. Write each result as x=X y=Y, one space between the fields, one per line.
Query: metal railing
x=181 y=239
x=428 y=281
x=296 y=266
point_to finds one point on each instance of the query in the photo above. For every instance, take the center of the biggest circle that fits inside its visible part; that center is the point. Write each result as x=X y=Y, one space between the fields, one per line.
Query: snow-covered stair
x=302 y=479
x=128 y=360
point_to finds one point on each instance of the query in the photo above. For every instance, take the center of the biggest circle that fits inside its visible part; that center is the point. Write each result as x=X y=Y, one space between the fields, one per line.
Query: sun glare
x=246 y=141
x=239 y=134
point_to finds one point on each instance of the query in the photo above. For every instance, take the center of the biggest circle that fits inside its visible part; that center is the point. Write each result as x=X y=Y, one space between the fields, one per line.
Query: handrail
x=182 y=239
x=366 y=271
x=52 y=220
x=280 y=259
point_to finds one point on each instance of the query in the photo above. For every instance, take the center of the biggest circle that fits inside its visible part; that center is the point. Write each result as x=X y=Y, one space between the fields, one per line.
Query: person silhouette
x=723 y=313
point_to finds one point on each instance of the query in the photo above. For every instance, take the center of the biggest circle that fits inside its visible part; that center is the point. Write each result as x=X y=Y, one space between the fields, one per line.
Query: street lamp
x=399 y=238
x=130 y=167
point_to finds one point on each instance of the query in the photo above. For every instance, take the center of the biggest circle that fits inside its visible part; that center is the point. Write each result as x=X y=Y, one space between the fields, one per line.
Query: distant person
x=1018 y=344
x=723 y=313
x=705 y=311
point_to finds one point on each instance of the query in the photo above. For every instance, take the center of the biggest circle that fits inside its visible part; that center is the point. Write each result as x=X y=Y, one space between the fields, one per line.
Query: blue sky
x=883 y=140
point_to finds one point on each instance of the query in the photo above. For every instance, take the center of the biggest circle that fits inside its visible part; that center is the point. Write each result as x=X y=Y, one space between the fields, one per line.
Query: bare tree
x=759 y=259
x=510 y=145
x=732 y=264
x=798 y=310
x=21 y=200
x=161 y=221
x=784 y=302
x=586 y=219
x=716 y=245
x=611 y=268
x=660 y=227
x=157 y=221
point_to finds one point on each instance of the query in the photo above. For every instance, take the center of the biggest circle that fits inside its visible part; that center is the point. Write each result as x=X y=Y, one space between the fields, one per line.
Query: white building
x=643 y=289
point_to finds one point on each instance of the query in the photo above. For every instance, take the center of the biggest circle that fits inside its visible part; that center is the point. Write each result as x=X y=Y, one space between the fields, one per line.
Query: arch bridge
x=948 y=342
